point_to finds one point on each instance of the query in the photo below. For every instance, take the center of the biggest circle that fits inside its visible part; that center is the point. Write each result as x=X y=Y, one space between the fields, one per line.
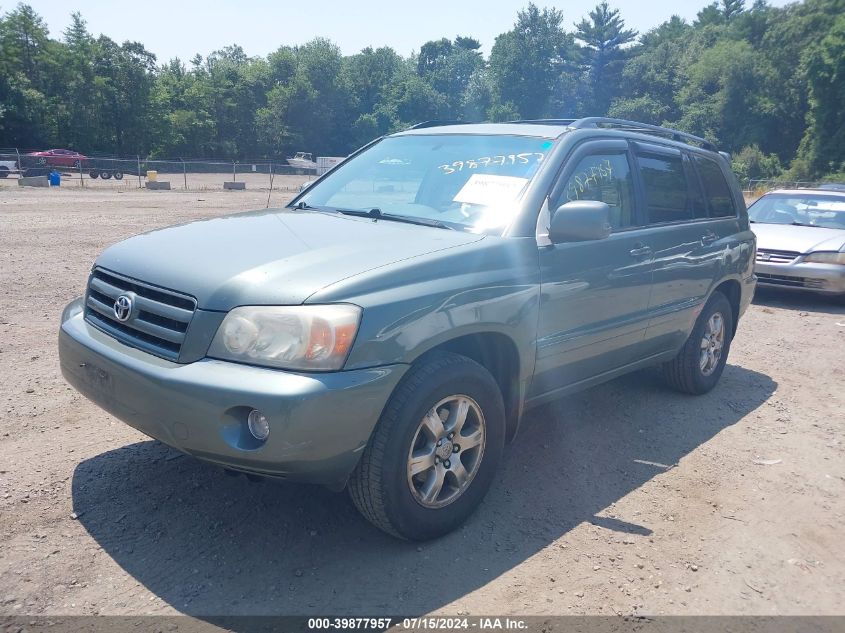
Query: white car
x=801 y=240
x=8 y=167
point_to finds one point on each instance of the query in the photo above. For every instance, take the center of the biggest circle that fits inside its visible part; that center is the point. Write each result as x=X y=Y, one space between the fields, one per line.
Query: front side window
x=605 y=178
x=468 y=181
x=666 y=189
x=715 y=188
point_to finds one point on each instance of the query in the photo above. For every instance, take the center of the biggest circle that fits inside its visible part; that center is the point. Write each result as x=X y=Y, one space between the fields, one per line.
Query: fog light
x=258 y=425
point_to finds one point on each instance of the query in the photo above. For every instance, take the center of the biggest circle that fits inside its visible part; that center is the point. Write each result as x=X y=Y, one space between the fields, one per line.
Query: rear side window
x=666 y=189
x=716 y=188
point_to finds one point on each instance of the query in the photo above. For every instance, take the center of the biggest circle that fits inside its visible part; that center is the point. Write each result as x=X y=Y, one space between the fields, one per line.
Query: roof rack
x=435 y=123
x=597 y=122
x=644 y=128
x=567 y=122
x=622 y=124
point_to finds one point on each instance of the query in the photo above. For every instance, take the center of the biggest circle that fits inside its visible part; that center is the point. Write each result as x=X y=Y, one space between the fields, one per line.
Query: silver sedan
x=801 y=240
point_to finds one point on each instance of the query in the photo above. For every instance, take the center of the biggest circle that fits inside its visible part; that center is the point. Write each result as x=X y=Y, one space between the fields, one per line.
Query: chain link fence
x=135 y=172
x=759 y=187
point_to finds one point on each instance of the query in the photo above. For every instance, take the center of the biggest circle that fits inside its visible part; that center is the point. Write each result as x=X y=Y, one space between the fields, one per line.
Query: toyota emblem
x=123 y=308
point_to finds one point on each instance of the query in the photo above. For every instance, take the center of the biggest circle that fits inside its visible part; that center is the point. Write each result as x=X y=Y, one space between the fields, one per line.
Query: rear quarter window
x=716 y=188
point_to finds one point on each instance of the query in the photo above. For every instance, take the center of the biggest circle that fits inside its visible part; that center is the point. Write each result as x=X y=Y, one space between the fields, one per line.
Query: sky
x=183 y=28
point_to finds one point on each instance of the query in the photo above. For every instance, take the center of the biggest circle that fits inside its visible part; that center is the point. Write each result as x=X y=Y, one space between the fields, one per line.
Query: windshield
x=800 y=209
x=465 y=181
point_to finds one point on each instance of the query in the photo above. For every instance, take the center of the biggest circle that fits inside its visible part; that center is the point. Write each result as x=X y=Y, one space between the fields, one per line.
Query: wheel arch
x=732 y=289
x=497 y=353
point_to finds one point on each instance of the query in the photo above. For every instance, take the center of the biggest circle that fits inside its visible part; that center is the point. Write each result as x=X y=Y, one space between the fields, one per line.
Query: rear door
x=594 y=295
x=689 y=232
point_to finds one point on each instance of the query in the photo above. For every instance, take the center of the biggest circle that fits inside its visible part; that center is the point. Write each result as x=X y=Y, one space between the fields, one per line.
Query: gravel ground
x=627 y=498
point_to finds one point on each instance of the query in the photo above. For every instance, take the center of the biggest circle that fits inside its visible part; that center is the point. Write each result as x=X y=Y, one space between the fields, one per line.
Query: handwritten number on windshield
x=498 y=160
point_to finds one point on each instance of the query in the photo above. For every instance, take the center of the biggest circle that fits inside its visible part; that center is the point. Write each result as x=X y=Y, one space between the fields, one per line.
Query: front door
x=594 y=295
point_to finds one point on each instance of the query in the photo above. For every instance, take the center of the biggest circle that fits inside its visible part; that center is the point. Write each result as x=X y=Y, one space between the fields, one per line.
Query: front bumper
x=319 y=422
x=821 y=278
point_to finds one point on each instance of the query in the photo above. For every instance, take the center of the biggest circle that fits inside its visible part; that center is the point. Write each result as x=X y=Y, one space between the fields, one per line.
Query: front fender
x=414 y=306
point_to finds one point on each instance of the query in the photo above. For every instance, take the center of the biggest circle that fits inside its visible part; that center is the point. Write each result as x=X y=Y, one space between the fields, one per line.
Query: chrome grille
x=776 y=257
x=158 y=321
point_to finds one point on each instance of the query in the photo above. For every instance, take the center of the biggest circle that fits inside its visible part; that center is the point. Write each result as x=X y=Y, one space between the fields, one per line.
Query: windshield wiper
x=304 y=206
x=377 y=214
x=794 y=223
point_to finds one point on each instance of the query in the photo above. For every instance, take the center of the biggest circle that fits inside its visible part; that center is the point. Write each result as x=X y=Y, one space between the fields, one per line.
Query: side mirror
x=580 y=221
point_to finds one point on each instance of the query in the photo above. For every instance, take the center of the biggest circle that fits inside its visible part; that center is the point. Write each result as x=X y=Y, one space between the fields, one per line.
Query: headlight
x=315 y=337
x=825 y=257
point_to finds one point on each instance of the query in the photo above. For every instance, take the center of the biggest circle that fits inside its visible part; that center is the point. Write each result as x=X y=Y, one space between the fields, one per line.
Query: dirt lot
x=627 y=498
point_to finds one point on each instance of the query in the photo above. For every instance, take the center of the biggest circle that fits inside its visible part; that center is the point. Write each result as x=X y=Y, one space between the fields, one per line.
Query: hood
x=272 y=257
x=803 y=239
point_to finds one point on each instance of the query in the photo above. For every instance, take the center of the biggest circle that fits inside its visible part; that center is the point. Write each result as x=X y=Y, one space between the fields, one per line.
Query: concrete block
x=239 y=186
x=34 y=181
x=158 y=185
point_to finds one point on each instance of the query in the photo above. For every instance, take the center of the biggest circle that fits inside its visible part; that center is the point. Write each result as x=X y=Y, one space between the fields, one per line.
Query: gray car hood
x=803 y=239
x=272 y=257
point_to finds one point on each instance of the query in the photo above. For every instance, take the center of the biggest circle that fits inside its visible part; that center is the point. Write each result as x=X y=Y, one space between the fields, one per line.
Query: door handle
x=708 y=238
x=640 y=250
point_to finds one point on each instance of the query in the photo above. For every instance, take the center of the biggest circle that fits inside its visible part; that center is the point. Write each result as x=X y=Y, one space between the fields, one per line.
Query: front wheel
x=435 y=449
x=94 y=174
x=699 y=365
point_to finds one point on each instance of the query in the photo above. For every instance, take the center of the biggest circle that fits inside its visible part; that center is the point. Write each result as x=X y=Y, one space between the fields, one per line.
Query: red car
x=59 y=158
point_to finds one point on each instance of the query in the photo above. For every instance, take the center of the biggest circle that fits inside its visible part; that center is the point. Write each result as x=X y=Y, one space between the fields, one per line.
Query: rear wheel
x=118 y=175
x=94 y=174
x=699 y=365
x=435 y=449
x=4 y=171
x=105 y=175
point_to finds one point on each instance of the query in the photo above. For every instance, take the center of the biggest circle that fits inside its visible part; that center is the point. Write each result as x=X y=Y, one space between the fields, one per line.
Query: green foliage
x=766 y=83
x=752 y=164
x=823 y=146
x=603 y=37
x=527 y=61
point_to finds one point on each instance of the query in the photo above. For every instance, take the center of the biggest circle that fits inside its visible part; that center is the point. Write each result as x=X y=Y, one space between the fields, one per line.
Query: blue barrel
x=55 y=179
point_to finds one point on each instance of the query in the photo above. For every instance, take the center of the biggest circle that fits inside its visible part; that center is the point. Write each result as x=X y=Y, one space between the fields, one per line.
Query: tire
x=688 y=372
x=118 y=175
x=105 y=175
x=381 y=486
x=4 y=172
x=94 y=174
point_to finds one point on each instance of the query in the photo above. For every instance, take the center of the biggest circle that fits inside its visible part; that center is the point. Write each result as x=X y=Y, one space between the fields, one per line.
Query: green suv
x=387 y=330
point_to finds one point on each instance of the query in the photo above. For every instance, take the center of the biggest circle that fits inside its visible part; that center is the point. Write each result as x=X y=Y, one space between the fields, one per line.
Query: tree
x=764 y=81
x=603 y=36
x=27 y=117
x=80 y=110
x=823 y=145
x=527 y=61
x=448 y=67
x=654 y=74
x=752 y=164
x=124 y=85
